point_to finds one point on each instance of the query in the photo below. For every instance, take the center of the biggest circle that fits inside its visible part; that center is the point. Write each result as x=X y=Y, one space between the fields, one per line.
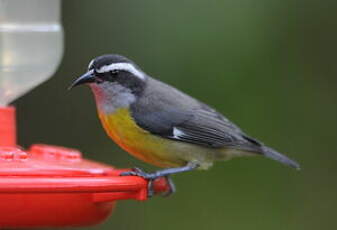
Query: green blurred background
x=268 y=65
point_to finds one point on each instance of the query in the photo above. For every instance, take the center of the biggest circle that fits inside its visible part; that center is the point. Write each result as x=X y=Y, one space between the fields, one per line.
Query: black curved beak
x=88 y=77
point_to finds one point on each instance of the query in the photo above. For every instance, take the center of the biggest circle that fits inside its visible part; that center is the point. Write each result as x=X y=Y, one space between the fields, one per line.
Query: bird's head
x=114 y=79
x=112 y=69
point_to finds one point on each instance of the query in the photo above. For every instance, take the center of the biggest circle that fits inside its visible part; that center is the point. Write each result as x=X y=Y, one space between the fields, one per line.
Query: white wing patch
x=177 y=133
x=122 y=66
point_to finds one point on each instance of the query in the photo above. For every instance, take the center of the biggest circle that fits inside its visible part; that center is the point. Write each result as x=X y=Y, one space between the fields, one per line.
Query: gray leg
x=165 y=172
x=160 y=173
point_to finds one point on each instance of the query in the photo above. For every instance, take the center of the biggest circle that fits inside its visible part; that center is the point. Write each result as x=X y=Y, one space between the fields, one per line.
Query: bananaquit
x=161 y=125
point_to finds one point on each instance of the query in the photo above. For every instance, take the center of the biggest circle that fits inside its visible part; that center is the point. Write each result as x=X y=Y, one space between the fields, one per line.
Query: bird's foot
x=171 y=185
x=151 y=177
x=143 y=174
x=161 y=173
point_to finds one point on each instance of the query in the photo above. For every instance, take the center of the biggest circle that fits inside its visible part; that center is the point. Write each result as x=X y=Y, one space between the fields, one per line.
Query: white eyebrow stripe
x=91 y=62
x=122 y=66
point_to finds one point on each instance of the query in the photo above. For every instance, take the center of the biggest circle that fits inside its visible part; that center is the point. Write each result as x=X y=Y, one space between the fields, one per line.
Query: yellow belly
x=156 y=150
x=150 y=148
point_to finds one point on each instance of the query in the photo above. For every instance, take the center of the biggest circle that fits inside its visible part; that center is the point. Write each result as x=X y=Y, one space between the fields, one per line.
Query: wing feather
x=174 y=115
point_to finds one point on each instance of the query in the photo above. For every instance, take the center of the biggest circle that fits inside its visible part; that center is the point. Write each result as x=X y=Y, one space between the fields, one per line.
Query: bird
x=161 y=125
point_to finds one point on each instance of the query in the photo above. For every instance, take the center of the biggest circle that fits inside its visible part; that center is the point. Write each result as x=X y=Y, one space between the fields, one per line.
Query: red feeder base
x=51 y=186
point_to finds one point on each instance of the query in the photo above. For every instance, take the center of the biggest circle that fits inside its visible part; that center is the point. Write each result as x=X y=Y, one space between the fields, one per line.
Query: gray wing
x=171 y=114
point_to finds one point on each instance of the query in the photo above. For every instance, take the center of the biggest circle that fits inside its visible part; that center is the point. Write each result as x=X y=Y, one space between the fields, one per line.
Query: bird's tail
x=272 y=154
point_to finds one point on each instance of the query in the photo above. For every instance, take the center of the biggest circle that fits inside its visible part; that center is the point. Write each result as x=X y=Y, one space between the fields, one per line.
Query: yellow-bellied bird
x=161 y=125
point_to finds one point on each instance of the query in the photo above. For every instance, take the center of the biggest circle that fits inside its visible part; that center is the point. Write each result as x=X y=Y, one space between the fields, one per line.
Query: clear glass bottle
x=31 y=45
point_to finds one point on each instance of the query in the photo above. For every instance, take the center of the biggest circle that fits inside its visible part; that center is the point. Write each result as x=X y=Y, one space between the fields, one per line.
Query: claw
x=151 y=177
x=172 y=187
x=161 y=173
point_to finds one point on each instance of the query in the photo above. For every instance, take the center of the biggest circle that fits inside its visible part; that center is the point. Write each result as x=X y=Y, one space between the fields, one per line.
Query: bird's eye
x=109 y=76
x=114 y=72
x=106 y=76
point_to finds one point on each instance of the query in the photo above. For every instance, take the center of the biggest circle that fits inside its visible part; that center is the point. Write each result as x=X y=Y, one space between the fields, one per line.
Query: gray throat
x=112 y=96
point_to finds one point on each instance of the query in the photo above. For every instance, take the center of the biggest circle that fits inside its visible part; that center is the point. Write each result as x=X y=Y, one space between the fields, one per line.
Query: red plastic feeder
x=49 y=186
